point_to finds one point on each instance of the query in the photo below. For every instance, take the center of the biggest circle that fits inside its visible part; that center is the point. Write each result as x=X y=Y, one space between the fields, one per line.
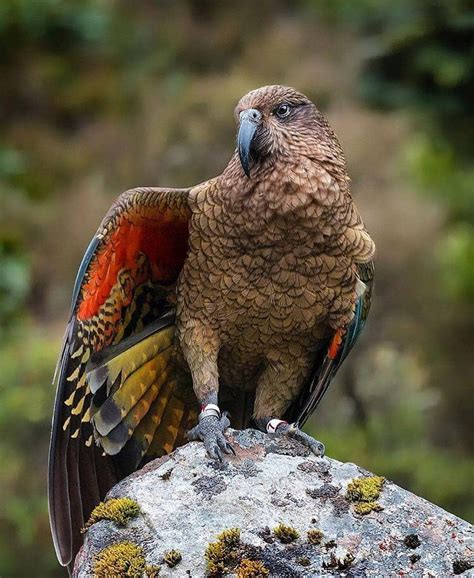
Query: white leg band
x=273 y=424
x=210 y=409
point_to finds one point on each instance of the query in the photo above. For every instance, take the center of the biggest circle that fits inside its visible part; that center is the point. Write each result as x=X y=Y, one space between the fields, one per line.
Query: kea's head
x=277 y=125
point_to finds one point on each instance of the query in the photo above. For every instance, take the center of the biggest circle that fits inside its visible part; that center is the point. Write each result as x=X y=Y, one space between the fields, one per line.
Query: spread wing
x=336 y=350
x=120 y=397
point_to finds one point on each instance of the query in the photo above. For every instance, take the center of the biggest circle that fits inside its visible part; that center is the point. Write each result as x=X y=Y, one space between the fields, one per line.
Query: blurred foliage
x=100 y=95
x=26 y=398
x=456 y=251
x=14 y=285
x=419 y=58
x=435 y=166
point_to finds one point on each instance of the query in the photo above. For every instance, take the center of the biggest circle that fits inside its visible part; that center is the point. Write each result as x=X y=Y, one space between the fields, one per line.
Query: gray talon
x=210 y=430
x=230 y=449
x=292 y=430
x=215 y=453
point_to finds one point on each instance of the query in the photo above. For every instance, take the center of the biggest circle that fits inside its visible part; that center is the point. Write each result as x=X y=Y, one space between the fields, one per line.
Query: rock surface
x=187 y=499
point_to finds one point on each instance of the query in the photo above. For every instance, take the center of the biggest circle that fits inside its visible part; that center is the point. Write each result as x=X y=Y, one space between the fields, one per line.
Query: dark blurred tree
x=419 y=56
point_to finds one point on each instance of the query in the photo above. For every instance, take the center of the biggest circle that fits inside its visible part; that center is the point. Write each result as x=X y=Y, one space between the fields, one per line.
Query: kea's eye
x=282 y=110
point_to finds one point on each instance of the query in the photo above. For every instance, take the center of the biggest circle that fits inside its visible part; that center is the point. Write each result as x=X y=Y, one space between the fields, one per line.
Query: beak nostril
x=251 y=114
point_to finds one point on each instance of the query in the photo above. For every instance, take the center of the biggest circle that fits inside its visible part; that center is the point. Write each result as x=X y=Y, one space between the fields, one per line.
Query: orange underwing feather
x=164 y=244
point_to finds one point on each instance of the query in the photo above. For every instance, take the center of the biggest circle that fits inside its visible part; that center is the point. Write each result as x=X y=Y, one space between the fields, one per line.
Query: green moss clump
x=364 y=492
x=217 y=559
x=224 y=553
x=118 y=510
x=230 y=538
x=315 y=536
x=365 y=489
x=172 y=558
x=364 y=508
x=123 y=559
x=251 y=569
x=152 y=571
x=286 y=534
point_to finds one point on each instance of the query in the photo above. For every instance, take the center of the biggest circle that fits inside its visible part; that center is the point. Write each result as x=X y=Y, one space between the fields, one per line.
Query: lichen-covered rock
x=286 y=514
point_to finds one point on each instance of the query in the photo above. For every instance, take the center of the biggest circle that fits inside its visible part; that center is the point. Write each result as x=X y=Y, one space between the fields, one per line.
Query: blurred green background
x=101 y=95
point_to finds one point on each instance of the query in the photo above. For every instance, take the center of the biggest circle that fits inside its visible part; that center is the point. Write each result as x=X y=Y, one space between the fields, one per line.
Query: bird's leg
x=210 y=429
x=279 y=384
x=201 y=347
x=280 y=427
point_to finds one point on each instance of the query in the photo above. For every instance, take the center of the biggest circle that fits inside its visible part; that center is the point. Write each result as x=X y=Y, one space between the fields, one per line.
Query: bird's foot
x=280 y=427
x=210 y=430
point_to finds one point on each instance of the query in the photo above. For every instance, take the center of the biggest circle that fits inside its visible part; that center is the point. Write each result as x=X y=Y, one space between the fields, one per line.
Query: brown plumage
x=247 y=290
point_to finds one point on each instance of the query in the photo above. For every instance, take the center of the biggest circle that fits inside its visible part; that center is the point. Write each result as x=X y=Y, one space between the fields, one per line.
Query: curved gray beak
x=249 y=121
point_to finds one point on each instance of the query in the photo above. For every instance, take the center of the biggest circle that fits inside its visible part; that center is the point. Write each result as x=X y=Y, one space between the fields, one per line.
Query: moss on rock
x=315 y=536
x=365 y=489
x=286 y=534
x=251 y=569
x=172 y=558
x=123 y=559
x=118 y=510
x=364 y=492
x=364 y=508
x=224 y=553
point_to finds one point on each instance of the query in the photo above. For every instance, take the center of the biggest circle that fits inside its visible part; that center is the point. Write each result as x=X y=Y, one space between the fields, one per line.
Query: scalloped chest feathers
x=272 y=264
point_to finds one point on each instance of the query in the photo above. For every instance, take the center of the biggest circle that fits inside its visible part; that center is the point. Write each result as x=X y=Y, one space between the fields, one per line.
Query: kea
x=236 y=299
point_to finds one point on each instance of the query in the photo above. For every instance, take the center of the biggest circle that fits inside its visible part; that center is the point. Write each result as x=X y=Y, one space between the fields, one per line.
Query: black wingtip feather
x=78 y=477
